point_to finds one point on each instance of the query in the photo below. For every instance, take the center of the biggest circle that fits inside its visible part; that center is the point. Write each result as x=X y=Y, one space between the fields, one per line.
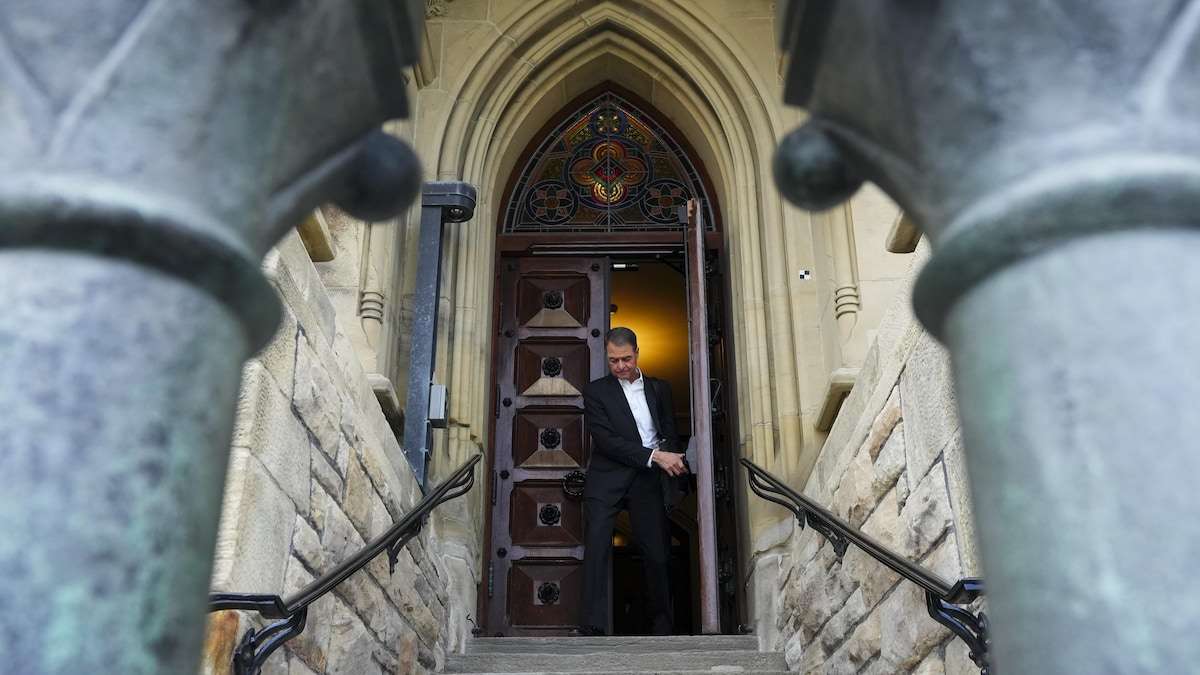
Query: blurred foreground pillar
x=1050 y=153
x=150 y=154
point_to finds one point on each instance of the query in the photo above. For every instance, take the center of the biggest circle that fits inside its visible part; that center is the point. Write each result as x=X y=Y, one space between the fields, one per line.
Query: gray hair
x=621 y=336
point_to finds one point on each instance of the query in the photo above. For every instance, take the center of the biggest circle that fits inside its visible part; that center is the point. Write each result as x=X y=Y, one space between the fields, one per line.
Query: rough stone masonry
x=315 y=473
x=892 y=466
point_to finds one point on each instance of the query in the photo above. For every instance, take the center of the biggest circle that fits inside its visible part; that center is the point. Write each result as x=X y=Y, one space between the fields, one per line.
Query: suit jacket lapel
x=652 y=401
x=623 y=403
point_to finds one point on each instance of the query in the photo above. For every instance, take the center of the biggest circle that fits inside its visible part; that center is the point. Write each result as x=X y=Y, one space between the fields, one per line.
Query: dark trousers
x=651 y=533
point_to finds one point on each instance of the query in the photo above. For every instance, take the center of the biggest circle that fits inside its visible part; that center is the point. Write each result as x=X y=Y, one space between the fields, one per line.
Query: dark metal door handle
x=572 y=483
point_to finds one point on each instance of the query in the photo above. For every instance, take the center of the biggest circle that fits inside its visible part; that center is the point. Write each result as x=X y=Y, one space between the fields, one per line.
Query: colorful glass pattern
x=606 y=167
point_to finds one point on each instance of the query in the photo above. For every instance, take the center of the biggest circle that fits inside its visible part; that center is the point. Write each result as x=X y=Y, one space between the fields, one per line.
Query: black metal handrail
x=941 y=597
x=257 y=645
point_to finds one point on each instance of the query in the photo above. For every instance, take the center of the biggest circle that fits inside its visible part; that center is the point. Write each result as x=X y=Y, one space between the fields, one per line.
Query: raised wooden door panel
x=545 y=595
x=549 y=439
x=553 y=316
x=542 y=515
x=549 y=367
x=554 y=301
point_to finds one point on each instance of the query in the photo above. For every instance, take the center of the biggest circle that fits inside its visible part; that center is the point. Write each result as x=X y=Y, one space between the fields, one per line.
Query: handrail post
x=441 y=203
x=150 y=154
x=1048 y=151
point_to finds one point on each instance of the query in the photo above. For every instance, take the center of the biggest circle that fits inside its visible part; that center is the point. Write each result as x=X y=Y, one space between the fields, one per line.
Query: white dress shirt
x=635 y=394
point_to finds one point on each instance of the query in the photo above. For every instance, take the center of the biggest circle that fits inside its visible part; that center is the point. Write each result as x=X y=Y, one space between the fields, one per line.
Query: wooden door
x=701 y=446
x=553 y=315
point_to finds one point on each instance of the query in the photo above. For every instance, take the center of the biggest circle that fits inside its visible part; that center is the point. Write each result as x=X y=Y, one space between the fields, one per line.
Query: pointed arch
x=539 y=58
x=608 y=162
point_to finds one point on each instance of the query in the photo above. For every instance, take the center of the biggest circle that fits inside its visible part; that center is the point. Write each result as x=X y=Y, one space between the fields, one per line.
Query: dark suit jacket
x=617 y=450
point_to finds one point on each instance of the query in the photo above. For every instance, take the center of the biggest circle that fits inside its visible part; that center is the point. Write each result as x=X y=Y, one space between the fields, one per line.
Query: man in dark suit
x=632 y=425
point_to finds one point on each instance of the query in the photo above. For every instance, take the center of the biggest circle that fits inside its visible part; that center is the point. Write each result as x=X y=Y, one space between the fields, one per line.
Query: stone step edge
x=717 y=671
x=651 y=644
x=693 y=661
x=715 y=653
x=689 y=653
x=647 y=638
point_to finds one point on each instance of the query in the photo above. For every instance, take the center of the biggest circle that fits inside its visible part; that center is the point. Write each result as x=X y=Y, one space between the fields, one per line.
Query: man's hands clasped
x=670 y=462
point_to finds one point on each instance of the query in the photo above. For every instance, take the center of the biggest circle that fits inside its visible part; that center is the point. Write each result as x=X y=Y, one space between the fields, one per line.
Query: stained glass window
x=607 y=167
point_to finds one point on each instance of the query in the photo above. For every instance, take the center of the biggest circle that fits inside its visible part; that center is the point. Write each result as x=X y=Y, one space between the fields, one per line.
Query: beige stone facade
x=818 y=304
x=892 y=466
x=316 y=471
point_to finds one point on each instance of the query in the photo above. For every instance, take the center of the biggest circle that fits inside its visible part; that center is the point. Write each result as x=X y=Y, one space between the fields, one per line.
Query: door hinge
x=491 y=579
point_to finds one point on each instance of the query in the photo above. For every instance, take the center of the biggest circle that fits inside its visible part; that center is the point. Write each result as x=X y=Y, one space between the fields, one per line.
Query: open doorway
x=593 y=218
x=650 y=298
x=556 y=303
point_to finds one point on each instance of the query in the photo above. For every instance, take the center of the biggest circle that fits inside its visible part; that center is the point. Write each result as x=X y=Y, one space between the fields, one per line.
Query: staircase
x=675 y=655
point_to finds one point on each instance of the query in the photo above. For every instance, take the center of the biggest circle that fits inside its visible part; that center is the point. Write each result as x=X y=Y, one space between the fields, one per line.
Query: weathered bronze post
x=1051 y=153
x=150 y=154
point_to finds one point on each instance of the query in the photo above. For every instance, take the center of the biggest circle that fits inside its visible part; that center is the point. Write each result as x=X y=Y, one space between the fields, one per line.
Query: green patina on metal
x=1048 y=150
x=143 y=174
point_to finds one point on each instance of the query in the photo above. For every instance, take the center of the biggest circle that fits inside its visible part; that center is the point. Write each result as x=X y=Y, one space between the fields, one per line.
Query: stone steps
x=675 y=655
x=718 y=671
x=632 y=644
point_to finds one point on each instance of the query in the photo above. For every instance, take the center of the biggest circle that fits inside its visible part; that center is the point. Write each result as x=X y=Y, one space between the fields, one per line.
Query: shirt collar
x=636 y=380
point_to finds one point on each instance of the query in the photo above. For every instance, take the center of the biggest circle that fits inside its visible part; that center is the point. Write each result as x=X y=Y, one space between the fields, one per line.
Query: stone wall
x=892 y=466
x=315 y=472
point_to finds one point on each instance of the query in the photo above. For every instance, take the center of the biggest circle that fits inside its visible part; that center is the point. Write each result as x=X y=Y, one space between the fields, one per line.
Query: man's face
x=622 y=361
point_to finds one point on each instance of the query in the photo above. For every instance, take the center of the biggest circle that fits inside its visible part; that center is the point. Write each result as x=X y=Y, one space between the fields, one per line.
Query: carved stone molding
x=370 y=312
x=904 y=235
x=314 y=232
x=841 y=382
x=436 y=8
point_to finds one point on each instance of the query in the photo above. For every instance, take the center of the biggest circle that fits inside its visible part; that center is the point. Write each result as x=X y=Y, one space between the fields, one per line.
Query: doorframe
x=546 y=243
x=487 y=573
x=592 y=244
